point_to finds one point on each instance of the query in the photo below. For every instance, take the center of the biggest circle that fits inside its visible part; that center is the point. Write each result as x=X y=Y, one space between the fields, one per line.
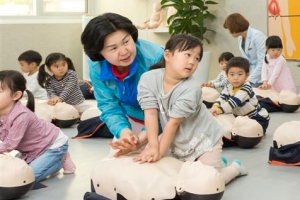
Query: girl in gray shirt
x=172 y=95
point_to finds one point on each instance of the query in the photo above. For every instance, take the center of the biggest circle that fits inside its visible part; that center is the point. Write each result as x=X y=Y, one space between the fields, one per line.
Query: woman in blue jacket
x=117 y=61
x=251 y=44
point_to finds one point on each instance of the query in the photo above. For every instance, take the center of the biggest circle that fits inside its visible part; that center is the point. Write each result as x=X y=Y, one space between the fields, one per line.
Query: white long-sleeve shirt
x=33 y=86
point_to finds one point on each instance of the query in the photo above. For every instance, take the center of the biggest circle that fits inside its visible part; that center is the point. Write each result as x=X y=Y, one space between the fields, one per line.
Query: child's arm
x=54 y=100
x=215 y=110
x=125 y=146
x=150 y=153
x=228 y=102
x=151 y=124
x=16 y=132
x=207 y=84
x=50 y=91
x=264 y=77
x=52 y=97
x=220 y=81
x=264 y=72
x=154 y=153
x=168 y=134
x=265 y=85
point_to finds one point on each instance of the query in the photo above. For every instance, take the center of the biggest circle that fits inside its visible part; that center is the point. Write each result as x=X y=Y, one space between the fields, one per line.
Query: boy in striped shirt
x=238 y=97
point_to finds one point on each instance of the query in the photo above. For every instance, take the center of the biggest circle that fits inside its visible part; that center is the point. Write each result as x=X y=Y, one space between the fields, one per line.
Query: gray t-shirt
x=195 y=135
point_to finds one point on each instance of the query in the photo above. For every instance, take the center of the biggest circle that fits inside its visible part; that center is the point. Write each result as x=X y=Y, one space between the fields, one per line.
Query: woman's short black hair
x=99 y=28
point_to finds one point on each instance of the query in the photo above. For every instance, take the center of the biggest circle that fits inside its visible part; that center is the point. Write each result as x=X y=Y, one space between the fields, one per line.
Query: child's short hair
x=238 y=62
x=31 y=56
x=225 y=56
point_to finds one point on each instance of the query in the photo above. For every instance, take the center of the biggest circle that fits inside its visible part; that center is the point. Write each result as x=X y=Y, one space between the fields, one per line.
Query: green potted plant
x=191 y=17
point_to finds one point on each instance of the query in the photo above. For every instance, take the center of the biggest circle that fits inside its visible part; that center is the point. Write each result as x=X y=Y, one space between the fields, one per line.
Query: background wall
x=284 y=20
x=44 y=38
x=65 y=38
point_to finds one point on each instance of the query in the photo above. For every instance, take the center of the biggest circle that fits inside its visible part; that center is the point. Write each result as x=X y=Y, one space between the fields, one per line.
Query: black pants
x=263 y=122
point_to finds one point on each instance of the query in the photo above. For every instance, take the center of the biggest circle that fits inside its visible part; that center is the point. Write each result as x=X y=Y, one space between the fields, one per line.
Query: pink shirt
x=278 y=74
x=23 y=131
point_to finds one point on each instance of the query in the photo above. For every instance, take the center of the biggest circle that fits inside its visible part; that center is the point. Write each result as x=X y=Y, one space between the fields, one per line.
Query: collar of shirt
x=117 y=74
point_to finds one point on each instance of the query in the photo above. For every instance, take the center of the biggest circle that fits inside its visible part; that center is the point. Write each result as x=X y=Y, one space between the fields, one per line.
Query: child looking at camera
x=238 y=97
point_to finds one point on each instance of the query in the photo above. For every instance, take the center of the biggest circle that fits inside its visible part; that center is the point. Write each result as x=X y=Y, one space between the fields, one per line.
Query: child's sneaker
x=224 y=161
x=242 y=170
x=68 y=165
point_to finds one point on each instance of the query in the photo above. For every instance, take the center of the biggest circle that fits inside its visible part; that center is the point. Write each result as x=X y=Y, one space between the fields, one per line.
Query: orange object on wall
x=284 y=20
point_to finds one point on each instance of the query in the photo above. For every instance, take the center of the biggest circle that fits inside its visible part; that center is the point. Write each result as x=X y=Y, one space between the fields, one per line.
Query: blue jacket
x=255 y=51
x=116 y=99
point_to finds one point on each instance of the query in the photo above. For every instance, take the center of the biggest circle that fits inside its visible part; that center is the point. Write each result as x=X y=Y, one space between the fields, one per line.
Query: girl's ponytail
x=43 y=76
x=70 y=64
x=266 y=60
x=30 y=102
x=160 y=64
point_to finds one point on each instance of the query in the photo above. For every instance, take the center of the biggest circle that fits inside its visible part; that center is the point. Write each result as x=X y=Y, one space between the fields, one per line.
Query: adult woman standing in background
x=251 y=44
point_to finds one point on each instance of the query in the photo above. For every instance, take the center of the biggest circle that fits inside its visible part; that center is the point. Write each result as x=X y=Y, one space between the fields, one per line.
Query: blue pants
x=51 y=161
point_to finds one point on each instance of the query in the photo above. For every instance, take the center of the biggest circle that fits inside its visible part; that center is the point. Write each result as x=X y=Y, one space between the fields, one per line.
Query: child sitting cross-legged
x=238 y=97
x=62 y=85
x=29 y=62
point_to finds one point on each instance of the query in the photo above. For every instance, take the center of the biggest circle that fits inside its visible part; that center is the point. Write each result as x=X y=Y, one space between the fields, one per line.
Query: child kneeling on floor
x=62 y=85
x=40 y=143
x=189 y=131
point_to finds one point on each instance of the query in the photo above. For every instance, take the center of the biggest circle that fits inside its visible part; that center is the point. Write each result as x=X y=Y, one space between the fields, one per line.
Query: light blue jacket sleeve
x=255 y=52
x=107 y=101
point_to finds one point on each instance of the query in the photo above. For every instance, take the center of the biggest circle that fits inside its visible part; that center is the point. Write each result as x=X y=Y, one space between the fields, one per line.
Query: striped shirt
x=240 y=102
x=221 y=81
x=21 y=130
x=67 y=88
